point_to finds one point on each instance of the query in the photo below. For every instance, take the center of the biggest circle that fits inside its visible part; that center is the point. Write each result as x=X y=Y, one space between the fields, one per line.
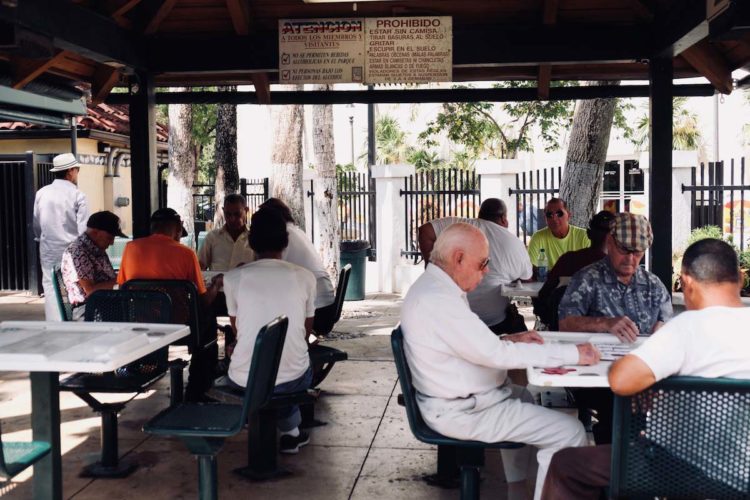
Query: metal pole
x=73 y=136
x=351 y=133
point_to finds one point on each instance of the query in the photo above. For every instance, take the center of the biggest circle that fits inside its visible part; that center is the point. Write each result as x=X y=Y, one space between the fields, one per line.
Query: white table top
x=583 y=376
x=530 y=289
x=51 y=346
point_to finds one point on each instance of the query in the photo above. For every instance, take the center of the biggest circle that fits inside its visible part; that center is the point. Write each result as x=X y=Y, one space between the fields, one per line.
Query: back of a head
x=711 y=261
x=267 y=232
x=278 y=206
x=492 y=209
x=600 y=226
x=458 y=236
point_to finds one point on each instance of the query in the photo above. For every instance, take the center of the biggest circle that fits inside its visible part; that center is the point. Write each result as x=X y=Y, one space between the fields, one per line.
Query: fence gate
x=532 y=191
x=434 y=194
x=20 y=177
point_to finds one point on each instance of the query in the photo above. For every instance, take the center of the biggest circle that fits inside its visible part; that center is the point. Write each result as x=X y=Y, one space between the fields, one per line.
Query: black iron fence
x=532 y=191
x=255 y=192
x=434 y=194
x=714 y=203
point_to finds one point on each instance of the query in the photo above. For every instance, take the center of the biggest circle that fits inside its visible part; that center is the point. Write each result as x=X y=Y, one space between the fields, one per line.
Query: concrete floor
x=366 y=451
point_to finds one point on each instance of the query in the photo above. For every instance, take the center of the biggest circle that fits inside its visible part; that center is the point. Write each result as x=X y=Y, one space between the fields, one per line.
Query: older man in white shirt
x=459 y=366
x=60 y=215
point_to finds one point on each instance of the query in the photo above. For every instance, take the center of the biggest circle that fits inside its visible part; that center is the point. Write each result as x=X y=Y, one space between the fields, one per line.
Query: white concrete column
x=308 y=175
x=391 y=221
x=497 y=178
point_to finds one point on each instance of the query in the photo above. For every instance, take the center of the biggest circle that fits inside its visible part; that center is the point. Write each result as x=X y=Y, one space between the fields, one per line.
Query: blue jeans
x=289 y=417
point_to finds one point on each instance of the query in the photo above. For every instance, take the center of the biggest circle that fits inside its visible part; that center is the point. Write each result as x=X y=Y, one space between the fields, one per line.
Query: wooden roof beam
x=549 y=17
x=711 y=64
x=240 y=17
x=163 y=11
x=104 y=79
x=262 y=87
x=25 y=71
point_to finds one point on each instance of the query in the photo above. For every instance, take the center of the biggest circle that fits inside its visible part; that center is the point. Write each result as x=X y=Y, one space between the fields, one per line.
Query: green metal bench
x=684 y=437
x=468 y=455
x=136 y=377
x=61 y=295
x=203 y=427
x=15 y=457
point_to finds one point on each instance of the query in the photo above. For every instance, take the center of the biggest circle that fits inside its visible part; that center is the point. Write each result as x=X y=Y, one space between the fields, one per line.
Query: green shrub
x=701 y=233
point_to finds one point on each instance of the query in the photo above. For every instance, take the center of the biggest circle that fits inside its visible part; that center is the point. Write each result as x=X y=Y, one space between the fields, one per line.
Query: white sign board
x=373 y=50
x=409 y=50
x=321 y=51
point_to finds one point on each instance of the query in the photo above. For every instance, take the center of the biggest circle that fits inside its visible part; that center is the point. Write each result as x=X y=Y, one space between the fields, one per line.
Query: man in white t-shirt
x=257 y=293
x=708 y=340
x=509 y=262
x=301 y=251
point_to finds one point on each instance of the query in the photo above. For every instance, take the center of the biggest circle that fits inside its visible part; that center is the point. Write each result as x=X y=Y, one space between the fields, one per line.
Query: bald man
x=460 y=367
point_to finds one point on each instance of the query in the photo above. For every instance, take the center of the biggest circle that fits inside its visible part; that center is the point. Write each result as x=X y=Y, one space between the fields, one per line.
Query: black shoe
x=291 y=445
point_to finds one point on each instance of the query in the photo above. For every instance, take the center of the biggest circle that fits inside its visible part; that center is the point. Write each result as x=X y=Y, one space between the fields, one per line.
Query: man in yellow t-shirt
x=558 y=237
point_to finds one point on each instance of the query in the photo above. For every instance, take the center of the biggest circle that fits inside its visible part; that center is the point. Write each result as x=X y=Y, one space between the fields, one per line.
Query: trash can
x=354 y=252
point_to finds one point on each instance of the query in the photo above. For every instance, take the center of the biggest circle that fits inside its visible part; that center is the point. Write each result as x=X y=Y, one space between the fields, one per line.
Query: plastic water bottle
x=541 y=266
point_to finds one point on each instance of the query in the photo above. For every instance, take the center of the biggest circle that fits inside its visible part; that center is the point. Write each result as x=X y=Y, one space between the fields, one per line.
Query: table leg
x=45 y=425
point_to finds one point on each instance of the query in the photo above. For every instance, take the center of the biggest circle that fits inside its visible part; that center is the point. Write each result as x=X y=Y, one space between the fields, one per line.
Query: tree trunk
x=227 y=175
x=587 y=151
x=182 y=164
x=326 y=195
x=286 y=157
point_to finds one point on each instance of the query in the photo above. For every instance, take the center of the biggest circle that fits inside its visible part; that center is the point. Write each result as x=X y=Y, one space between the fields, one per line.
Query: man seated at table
x=85 y=264
x=508 y=262
x=708 y=340
x=257 y=293
x=226 y=247
x=615 y=295
x=161 y=256
x=558 y=237
x=301 y=251
x=459 y=366
x=570 y=263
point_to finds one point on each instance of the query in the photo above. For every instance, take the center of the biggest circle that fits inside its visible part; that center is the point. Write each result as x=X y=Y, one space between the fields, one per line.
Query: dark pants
x=324 y=319
x=202 y=371
x=513 y=322
x=601 y=400
x=578 y=473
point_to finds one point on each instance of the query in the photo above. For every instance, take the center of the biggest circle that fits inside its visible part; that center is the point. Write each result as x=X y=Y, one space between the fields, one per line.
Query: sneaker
x=291 y=445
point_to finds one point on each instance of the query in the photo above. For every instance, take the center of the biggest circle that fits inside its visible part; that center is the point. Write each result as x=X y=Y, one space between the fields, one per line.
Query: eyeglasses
x=624 y=251
x=558 y=213
x=484 y=264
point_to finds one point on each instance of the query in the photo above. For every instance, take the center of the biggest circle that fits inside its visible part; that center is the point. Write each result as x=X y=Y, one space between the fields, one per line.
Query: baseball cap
x=632 y=232
x=168 y=214
x=602 y=221
x=106 y=221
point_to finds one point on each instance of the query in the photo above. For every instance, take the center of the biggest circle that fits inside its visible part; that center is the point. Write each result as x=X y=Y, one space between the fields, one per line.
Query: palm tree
x=685 y=132
x=391 y=141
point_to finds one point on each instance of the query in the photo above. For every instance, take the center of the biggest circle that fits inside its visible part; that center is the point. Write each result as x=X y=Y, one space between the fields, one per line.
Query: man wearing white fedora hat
x=60 y=215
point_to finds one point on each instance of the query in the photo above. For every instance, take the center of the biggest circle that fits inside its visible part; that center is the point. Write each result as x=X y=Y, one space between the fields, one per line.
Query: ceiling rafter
x=161 y=14
x=262 y=87
x=119 y=13
x=240 y=17
x=711 y=64
x=25 y=71
x=544 y=74
x=104 y=79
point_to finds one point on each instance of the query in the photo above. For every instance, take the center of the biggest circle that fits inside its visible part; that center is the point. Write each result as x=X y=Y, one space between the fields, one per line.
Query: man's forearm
x=584 y=324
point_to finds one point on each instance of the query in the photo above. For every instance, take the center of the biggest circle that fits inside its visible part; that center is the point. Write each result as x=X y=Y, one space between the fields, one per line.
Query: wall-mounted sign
x=372 y=50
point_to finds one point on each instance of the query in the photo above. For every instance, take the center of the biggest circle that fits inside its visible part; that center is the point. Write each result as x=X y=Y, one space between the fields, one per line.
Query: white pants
x=501 y=415
x=51 y=309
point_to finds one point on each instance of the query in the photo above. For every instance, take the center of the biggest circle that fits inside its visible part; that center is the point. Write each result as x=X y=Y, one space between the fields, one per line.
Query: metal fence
x=434 y=194
x=714 y=203
x=532 y=191
x=255 y=192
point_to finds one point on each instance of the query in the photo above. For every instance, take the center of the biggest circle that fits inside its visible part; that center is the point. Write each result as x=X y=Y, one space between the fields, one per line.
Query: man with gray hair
x=508 y=262
x=460 y=367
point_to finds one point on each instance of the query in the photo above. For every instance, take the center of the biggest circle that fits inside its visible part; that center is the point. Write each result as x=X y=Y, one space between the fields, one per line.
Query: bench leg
x=176 y=385
x=110 y=465
x=262 y=448
x=469 y=482
x=207 y=478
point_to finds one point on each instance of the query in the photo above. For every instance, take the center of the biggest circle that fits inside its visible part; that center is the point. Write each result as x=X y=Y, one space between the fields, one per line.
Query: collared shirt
x=301 y=251
x=451 y=352
x=554 y=247
x=160 y=257
x=84 y=260
x=508 y=262
x=596 y=291
x=60 y=215
x=220 y=252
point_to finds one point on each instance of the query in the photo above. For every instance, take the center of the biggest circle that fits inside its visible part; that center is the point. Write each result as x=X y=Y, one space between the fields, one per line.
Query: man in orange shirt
x=162 y=256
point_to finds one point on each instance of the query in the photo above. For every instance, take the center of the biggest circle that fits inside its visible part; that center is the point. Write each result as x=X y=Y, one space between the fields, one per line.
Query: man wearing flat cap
x=60 y=214
x=616 y=295
x=85 y=264
x=161 y=256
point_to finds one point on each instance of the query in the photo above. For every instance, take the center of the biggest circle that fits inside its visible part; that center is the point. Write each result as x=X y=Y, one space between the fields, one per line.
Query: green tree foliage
x=391 y=141
x=686 y=133
x=500 y=130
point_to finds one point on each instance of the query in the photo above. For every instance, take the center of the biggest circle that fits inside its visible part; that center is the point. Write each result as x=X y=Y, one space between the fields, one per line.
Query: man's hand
x=217 y=281
x=588 y=354
x=530 y=337
x=623 y=328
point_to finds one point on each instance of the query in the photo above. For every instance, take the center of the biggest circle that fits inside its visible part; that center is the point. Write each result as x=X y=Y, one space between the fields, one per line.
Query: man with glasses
x=226 y=248
x=508 y=262
x=558 y=237
x=616 y=295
